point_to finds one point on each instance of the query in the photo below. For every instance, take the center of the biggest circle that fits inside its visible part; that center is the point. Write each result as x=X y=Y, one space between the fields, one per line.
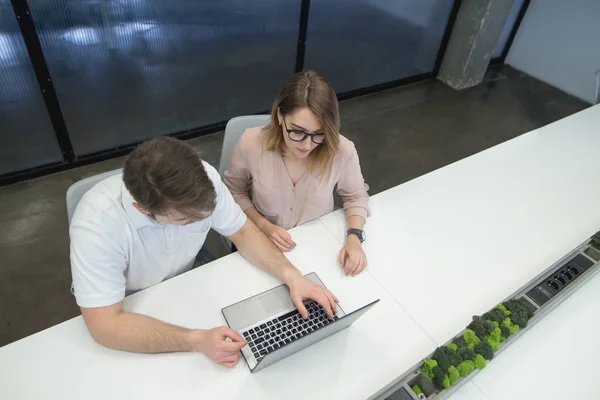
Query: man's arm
x=259 y=220
x=260 y=251
x=98 y=262
x=279 y=236
x=113 y=328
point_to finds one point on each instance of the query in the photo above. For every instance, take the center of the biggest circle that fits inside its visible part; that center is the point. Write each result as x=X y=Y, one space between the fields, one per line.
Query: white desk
x=445 y=246
x=455 y=242
x=556 y=359
x=469 y=391
x=64 y=363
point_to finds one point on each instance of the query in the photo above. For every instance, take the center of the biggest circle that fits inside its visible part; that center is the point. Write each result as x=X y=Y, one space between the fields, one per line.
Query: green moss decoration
x=453 y=375
x=479 y=362
x=416 y=389
x=471 y=339
x=465 y=368
x=427 y=368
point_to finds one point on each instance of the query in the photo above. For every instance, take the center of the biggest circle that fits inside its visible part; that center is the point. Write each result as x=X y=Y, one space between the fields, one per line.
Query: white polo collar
x=139 y=220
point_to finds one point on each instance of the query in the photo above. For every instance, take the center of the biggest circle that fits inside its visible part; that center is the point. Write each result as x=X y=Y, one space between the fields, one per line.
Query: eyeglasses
x=299 y=136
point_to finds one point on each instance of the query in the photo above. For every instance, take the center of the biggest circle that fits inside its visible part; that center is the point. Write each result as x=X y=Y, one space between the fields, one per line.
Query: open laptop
x=275 y=329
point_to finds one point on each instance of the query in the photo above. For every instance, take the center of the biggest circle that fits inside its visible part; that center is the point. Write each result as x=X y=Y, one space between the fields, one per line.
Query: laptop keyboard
x=269 y=336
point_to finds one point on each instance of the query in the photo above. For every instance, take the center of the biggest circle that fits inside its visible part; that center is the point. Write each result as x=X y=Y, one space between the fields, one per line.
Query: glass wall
x=26 y=136
x=125 y=71
x=508 y=27
x=361 y=43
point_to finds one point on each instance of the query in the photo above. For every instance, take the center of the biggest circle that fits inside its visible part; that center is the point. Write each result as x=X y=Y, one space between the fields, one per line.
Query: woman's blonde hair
x=307 y=90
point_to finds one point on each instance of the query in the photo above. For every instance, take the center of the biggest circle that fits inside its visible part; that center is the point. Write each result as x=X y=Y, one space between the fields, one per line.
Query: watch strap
x=356 y=232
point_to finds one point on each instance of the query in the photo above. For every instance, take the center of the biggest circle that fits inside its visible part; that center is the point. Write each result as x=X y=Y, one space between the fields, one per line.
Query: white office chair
x=234 y=129
x=79 y=188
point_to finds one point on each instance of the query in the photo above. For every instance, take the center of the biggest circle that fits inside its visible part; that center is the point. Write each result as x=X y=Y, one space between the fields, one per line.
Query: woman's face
x=297 y=124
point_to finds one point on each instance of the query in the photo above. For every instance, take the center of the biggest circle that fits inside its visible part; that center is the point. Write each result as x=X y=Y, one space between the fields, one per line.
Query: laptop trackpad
x=266 y=305
x=277 y=301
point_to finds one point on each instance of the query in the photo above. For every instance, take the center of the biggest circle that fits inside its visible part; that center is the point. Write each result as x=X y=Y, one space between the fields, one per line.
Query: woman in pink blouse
x=284 y=174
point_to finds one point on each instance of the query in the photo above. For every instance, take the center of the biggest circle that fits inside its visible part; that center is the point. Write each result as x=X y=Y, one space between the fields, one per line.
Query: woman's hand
x=352 y=257
x=279 y=236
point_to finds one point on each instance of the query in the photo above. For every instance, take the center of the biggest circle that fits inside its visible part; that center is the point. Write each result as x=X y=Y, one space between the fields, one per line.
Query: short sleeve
x=98 y=263
x=228 y=217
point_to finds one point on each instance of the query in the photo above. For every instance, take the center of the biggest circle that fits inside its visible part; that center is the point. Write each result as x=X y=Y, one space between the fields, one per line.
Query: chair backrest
x=234 y=129
x=79 y=188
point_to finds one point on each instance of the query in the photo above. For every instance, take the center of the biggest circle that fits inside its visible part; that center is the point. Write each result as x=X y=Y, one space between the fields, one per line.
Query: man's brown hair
x=307 y=90
x=166 y=174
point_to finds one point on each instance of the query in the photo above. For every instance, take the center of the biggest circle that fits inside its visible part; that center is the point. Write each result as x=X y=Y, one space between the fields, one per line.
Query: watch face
x=364 y=236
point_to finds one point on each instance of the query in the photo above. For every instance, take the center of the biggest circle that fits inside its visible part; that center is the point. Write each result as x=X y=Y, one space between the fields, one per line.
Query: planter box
x=440 y=394
x=424 y=383
x=583 y=254
x=593 y=253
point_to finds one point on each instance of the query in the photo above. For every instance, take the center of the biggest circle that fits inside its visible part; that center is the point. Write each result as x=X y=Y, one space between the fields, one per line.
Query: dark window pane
x=125 y=71
x=26 y=136
x=361 y=43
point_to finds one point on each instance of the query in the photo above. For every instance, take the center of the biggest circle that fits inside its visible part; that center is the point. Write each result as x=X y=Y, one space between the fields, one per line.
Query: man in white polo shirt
x=134 y=230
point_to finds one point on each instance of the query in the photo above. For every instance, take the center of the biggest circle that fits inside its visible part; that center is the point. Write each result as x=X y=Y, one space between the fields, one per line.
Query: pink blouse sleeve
x=238 y=178
x=352 y=188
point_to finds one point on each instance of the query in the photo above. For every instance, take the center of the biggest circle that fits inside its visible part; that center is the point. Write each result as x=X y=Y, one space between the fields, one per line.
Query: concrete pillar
x=478 y=26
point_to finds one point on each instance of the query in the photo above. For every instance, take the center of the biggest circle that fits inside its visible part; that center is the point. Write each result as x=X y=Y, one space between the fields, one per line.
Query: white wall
x=558 y=42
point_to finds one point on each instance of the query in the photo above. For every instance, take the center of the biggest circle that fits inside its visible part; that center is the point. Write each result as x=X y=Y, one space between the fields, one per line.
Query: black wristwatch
x=358 y=232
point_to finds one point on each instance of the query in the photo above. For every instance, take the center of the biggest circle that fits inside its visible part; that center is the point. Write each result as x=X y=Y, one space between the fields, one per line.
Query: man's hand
x=214 y=344
x=302 y=288
x=256 y=247
x=352 y=257
x=279 y=236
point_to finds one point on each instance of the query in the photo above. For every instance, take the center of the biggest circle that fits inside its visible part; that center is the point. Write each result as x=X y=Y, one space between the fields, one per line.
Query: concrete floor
x=400 y=134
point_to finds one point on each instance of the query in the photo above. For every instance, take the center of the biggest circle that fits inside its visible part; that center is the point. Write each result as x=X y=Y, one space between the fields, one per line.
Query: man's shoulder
x=212 y=172
x=225 y=203
x=101 y=204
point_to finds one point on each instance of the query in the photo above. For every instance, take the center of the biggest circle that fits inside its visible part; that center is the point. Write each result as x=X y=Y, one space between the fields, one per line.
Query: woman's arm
x=238 y=180
x=279 y=236
x=356 y=222
x=257 y=217
x=353 y=191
